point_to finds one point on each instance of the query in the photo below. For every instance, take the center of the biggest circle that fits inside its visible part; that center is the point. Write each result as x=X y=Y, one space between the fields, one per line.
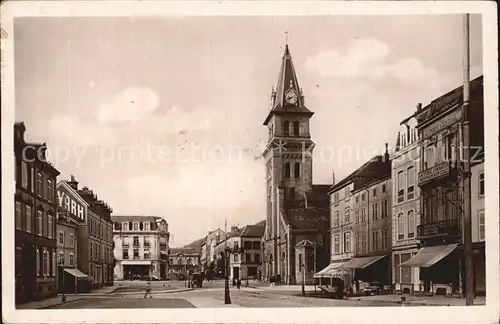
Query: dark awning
x=361 y=263
x=428 y=256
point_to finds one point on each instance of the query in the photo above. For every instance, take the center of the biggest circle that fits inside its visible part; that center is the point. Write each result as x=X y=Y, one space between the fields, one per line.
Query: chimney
x=419 y=106
x=73 y=183
x=333 y=177
x=386 y=155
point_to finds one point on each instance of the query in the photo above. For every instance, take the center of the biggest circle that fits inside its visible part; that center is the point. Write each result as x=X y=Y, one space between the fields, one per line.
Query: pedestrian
x=238 y=283
x=148 y=291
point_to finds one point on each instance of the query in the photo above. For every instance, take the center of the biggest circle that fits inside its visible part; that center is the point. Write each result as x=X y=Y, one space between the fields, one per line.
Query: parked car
x=373 y=288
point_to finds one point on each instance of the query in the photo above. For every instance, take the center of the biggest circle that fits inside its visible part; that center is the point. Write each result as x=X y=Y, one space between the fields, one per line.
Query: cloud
x=69 y=129
x=365 y=59
x=129 y=105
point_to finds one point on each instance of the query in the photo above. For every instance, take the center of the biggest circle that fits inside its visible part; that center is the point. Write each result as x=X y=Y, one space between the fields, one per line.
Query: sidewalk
x=287 y=288
x=101 y=292
x=200 y=302
x=421 y=300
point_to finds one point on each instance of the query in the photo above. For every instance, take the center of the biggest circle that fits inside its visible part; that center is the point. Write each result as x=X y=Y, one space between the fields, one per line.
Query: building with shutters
x=35 y=220
x=406 y=204
x=141 y=247
x=441 y=180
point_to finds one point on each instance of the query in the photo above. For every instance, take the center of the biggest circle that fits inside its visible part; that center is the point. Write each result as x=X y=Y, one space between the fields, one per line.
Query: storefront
x=371 y=269
x=136 y=269
x=439 y=269
x=334 y=270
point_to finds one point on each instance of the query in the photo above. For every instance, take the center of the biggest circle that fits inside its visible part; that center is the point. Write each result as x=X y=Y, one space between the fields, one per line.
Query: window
x=287 y=170
x=336 y=244
x=71 y=259
x=50 y=225
x=61 y=238
x=356 y=215
x=357 y=199
x=125 y=254
x=384 y=239
x=146 y=241
x=61 y=258
x=19 y=215
x=136 y=226
x=50 y=192
x=411 y=182
x=39 y=181
x=28 y=219
x=374 y=212
x=363 y=215
x=38 y=261
x=147 y=226
x=374 y=192
x=374 y=240
x=384 y=188
x=336 y=220
x=481 y=184
x=40 y=222
x=363 y=196
x=347 y=193
x=348 y=214
x=286 y=127
x=385 y=208
x=91 y=249
x=71 y=240
x=45 y=263
x=24 y=174
x=401 y=190
x=358 y=242
x=450 y=147
x=347 y=242
x=124 y=226
x=136 y=253
x=482 y=233
x=296 y=128
x=297 y=170
x=257 y=258
x=401 y=227
x=364 y=243
x=235 y=258
x=248 y=258
x=336 y=198
x=146 y=254
x=411 y=224
x=136 y=240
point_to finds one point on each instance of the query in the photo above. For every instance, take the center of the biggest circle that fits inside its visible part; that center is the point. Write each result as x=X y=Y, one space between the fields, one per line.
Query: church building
x=296 y=239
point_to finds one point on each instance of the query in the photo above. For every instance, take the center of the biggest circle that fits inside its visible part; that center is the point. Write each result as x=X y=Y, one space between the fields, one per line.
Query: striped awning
x=429 y=256
x=332 y=270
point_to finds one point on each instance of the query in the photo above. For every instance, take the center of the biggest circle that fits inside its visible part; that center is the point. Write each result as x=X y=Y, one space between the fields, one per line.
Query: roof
x=182 y=250
x=134 y=218
x=311 y=218
x=448 y=100
x=287 y=81
x=252 y=231
x=375 y=168
x=261 y=223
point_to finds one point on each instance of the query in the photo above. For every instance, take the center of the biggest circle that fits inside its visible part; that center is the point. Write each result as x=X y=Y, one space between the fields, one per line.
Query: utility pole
x=467 y=240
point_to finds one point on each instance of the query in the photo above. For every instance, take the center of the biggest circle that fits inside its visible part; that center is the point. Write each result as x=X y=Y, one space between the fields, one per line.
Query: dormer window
x=136 y=226
x=124 y=226
x=147 y=226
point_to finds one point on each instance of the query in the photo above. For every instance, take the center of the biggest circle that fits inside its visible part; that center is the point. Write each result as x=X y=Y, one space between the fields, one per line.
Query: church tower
x=288 y=155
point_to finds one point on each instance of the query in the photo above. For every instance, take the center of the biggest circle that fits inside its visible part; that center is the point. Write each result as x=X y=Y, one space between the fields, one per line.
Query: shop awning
x=361 y=263
x=331 y=270
x=428 y=256
x=136 y=262
x=76 y=273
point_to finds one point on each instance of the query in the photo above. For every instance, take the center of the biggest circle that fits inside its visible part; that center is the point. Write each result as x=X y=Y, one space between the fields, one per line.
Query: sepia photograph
x=294 y=161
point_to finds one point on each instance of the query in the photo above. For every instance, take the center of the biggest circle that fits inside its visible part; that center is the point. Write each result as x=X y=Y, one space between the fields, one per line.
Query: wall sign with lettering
x=72 y=203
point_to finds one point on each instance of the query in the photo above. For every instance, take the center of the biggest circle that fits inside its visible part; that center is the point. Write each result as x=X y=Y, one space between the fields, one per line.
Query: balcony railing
x=449 y=227
x=436 y=172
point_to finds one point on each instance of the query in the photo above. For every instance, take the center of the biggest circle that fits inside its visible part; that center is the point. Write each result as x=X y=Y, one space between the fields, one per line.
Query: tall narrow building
x=297 y=211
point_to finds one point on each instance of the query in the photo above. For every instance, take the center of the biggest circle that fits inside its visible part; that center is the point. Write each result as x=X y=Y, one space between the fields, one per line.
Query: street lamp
x=227 y=297
x=303 y=277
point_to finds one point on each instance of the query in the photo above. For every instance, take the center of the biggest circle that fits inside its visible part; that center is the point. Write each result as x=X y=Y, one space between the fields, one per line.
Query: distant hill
x=195 y=245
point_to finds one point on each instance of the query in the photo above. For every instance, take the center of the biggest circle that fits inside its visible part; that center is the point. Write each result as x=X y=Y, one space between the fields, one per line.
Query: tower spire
x=286 y=37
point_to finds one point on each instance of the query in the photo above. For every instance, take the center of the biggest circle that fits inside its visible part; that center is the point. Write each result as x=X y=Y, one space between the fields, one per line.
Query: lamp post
x=227 y=297
x=303 y=277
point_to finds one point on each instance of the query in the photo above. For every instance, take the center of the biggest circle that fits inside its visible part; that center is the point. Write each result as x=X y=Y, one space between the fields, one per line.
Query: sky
x=164 y=116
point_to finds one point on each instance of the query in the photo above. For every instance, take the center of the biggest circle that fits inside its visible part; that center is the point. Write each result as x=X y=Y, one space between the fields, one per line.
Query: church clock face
x=291 y=97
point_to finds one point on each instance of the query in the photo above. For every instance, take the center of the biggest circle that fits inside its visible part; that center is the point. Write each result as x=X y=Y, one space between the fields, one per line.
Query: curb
x=111 y=294
x=62 y=303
